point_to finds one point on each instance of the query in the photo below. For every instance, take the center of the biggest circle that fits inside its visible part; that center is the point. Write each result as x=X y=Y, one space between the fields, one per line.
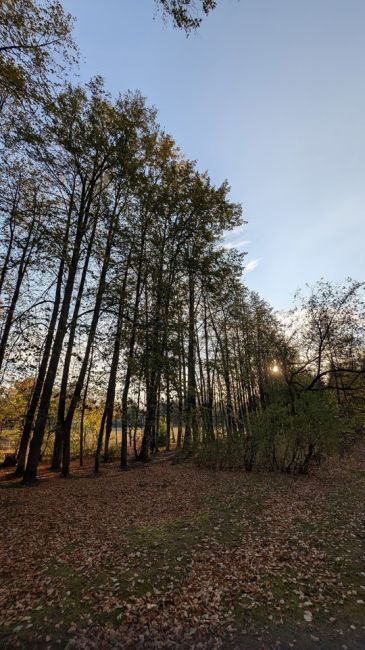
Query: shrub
x=288 y=440
x=282 y=437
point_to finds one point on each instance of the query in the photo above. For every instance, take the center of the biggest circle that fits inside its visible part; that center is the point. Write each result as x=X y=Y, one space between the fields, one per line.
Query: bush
x=288 y=441
x=282 y=437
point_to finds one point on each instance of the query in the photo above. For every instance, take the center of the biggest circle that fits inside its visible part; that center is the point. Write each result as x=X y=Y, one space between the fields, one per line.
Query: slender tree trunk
x=224 y=349
x=190 y=427
x=57 y=448
x=22 y=268
x=99 y=443
x=153 y=381
x=128 y=374
x=156 y=425
x=5 y=266
x=90 y=340
x=209 y=401
x=168 y=412
x=149 y=421
x=109 y=404
x=31 y=411
x=200 y=388
x=82 y=435
x=136 y=421
x=36 y=442
x=180 y=396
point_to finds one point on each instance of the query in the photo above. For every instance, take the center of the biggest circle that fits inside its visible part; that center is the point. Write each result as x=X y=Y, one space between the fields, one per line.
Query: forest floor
x=171 y=556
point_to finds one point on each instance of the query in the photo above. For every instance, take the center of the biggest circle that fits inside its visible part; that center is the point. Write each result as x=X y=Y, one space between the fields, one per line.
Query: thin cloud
x=236 y=244
x=252 y=265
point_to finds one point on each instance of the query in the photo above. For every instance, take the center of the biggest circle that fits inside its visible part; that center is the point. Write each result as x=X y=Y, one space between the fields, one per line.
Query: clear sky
x=269 y=94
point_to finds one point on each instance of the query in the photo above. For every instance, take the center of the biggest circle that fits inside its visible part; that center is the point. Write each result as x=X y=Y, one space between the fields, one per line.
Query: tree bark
x=30 y=473
x=90 y=340
x=190 y=426
x=57 y=448
x=31 y=411
x=109 y=402
x=22 y=268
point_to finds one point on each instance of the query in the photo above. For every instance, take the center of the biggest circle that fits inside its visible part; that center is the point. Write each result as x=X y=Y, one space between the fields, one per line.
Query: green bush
x=282 y=437
x=288 y=441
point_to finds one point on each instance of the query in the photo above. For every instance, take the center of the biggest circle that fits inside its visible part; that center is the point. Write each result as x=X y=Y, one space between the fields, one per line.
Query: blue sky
x=269 y=94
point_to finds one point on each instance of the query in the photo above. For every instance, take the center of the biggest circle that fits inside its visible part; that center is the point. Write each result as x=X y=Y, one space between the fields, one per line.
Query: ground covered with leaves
x=171 y=556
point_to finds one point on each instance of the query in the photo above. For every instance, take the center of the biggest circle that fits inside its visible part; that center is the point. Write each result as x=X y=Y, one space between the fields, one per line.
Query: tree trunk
x=5 y=266
x=128 y=374
x=90 y=340
x=190 y=426
x=100 y=443
x=57 y=448
x=109 y=404
x=23 y=265
x=168 y=412
x=30 y=473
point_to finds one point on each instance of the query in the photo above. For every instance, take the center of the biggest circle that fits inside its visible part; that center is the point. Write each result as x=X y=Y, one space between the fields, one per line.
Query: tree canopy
x=36 y=46
x=186 y=14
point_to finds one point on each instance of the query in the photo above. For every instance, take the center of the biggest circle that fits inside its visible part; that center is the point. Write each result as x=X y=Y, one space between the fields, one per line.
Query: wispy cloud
x=240 y=243
x=235 y=238
x=252 y=265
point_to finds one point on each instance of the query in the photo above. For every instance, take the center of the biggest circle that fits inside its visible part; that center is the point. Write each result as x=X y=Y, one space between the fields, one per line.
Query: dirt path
x=176 y=557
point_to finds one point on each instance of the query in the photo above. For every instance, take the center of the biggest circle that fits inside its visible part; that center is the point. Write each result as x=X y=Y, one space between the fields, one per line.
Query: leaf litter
x=177 y=557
